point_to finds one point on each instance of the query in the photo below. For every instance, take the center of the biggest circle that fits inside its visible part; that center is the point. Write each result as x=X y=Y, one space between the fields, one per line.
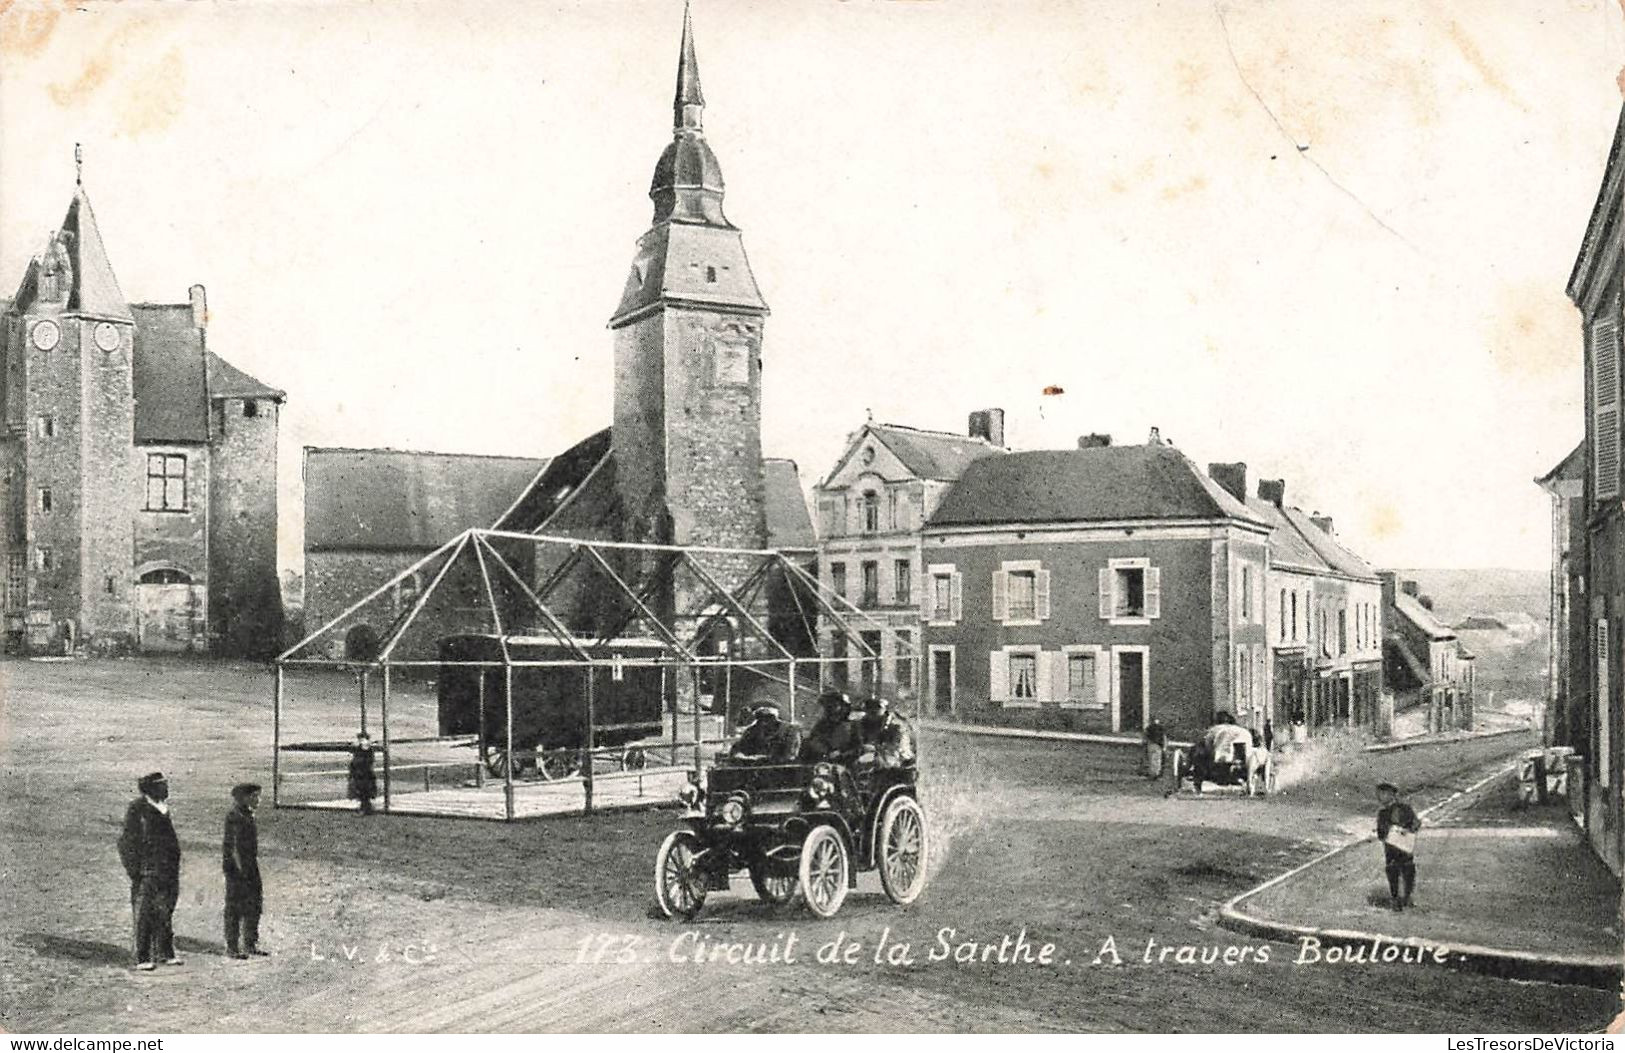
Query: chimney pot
x=1093 y=441
x=200 y=307
x=1155 y=438
x=1410 y=588
x=1232 y=476
x=988 y=425
x=1324 y=523
x=1273 y=491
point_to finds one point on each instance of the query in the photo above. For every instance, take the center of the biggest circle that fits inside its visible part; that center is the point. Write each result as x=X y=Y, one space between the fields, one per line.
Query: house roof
x=1339 y=558
x=535 y=501
x=1606 y=209
x=170 y=376
x=1288 y=548
x=405 y=499
x=938 y=455
x=789 y=524
x=1086 y=485
x=1411 y=609
x=226 y=381
x=1402 y=669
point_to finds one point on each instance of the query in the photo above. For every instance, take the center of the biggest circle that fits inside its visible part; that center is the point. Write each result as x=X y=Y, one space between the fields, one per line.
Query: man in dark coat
x=834 y=737
x=768 y=740
x=240 y=858
x=1397 y=824
x=363 y=782
x=151 y=854
x=887 y=740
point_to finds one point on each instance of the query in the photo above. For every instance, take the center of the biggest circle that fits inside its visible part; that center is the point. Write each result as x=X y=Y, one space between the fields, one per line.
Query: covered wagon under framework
x=520 y=675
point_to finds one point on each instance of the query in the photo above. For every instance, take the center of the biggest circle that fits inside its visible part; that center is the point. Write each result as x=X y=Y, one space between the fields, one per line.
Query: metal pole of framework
x=362 y=700
x=383 y=726
x=694 y=701
x=481 y=747
x=792 y=690
x=587 y=765
x=276 y=741
x=507 y=773
x=663 y=693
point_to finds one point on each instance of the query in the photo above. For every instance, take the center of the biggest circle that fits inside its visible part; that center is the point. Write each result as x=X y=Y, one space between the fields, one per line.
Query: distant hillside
x=1460 y=593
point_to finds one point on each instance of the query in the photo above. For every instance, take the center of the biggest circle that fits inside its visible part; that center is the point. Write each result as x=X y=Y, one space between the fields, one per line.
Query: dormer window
x=711 y=274
x=251 y=408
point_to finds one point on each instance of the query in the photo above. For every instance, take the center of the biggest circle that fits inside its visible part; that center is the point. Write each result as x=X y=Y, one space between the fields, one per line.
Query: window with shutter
x=1605 y=402
x=1153 y=592
x=957 y=597
x=1041 y=595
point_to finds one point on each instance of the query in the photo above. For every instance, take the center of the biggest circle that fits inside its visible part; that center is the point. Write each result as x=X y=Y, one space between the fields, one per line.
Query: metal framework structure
x=475 y=589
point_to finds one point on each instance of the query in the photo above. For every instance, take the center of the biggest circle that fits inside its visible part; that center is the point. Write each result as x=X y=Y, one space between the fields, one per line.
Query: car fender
x=873 y=819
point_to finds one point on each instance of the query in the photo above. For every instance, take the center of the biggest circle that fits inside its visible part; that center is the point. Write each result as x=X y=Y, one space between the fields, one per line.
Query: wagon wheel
x=774 y=882
x=902 y=850
x=634 y=759
x=679 y=885
x=555 y=765
x=825 y=871
x=496 y=762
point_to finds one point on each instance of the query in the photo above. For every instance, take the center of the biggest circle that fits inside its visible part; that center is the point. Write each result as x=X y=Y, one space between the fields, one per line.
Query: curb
x=1033 y=733
x=1582 y=970
x=1424 y=740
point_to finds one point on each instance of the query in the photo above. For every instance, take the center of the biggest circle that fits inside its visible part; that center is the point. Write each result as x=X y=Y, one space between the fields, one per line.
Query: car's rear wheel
x=634 y=759
x=496 y=762
x=555 y=764
x=774 y=882
x=679 y=884
x=825 y=871
x=902 y=846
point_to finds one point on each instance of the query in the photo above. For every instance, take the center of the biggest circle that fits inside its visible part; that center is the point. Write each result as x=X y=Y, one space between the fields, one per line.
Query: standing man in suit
x=151 y=854
x=240 y=858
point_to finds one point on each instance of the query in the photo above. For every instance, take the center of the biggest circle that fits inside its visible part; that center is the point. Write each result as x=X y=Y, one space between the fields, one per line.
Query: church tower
x=688 y=341
x=68 y=343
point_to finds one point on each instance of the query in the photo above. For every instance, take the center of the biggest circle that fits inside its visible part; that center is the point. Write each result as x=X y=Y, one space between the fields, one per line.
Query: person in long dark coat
x=363 y=781
x=151 y=854
x=240 y=859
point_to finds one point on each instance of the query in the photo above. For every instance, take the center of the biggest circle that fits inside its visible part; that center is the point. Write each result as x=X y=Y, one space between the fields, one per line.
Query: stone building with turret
x=137 y=468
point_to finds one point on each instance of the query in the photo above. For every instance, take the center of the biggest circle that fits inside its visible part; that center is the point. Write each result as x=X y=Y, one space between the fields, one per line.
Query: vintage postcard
x=721 y=517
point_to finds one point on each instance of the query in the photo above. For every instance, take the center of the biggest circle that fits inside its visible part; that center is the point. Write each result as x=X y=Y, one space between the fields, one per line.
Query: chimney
x=1233 y=477
x=1094 y=441
x=200 y=308
x=988 y=425
x=1156 y=437
x=1324 y=523
x=1388 y=579
x=1273 y=491
x=1410 y=588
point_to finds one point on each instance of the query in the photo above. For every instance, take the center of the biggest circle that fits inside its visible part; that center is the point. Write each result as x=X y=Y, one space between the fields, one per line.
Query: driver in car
x=886 y=739
x=768 y=740
x=834 y=737
x=1217 y=748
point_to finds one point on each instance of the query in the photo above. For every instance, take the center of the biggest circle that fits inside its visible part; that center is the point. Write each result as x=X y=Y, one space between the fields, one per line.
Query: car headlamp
x=821 y=789
x=733 y=811
x=824 y=770
x=689 y=795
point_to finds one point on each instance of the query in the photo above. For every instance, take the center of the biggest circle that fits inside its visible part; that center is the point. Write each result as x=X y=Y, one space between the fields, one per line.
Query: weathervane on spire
x=78 y=165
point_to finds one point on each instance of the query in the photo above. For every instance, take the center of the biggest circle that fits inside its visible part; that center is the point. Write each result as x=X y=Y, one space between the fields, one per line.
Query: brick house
x=871 y=507
x=1595 y=286
x=139 y=467
x=1095 y=590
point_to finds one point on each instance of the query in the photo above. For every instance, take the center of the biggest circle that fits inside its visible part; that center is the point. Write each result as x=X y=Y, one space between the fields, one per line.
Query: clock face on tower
x=107 y=336
x=732 y=363
x=46 y=334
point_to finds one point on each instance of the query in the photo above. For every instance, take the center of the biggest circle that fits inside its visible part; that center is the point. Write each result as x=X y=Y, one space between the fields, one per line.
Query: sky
x=1329 y=239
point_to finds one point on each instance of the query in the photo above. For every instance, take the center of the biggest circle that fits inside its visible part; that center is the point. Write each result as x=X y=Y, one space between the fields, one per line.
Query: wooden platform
x=531 y=800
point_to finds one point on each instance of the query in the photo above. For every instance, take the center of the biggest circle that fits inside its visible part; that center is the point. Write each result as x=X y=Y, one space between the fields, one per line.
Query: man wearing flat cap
x=240 y=858
x=768 y=740
x=151 y=854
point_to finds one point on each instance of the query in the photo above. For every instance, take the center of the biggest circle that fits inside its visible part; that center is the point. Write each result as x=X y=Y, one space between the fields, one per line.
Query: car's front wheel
x=679 y=884
x=902 y=854
x=825 y=871
x=774 y=882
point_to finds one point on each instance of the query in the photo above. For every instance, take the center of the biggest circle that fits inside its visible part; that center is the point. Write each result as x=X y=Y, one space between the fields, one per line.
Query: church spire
x=689 y=105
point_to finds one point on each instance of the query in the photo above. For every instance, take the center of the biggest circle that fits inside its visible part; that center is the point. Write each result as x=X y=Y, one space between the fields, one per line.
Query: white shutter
x=1001 y=598
x=928 y=598
x=1605 y=397
x=1103 y=678
x=905 y=519
x=1041 y=595
x=1045 y=668
x=1105 y=592
x=1153 y=592
x=998 y=677
x=956 y=598
x=1058 y=677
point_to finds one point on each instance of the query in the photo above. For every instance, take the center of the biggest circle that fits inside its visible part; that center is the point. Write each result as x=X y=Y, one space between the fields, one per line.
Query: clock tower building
x=688 y=342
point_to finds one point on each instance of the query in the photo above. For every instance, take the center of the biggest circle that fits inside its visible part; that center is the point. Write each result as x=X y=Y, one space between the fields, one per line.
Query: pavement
x=1502 y=888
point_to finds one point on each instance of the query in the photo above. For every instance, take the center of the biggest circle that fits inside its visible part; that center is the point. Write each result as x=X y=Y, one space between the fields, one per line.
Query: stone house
x=1095 y=590
x=1566 y=640
x=138 y=467
x=871 y=508
x=1424 y=663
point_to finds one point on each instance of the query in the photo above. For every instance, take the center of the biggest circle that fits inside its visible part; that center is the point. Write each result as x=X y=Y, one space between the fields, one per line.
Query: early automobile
x=804 y=829
x=1242 y=763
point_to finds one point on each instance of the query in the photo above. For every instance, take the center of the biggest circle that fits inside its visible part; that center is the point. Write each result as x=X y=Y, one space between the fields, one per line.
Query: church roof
x=92 y=289
x=382 y=499
x=789 y=524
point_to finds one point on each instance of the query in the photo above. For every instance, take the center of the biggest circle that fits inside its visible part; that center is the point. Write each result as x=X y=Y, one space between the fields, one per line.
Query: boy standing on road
x=240 y=858
x=1397 y=824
